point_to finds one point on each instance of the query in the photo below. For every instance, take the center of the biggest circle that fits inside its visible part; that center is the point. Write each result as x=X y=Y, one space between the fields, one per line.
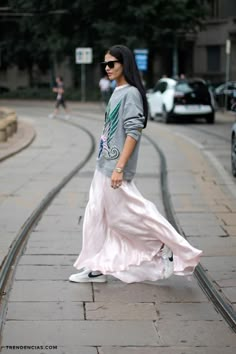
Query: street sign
x=83 y=55
x=141 y=57
x=228 y=46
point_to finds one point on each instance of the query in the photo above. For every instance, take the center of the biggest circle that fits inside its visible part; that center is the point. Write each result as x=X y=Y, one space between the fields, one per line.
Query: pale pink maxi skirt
x=123 y=234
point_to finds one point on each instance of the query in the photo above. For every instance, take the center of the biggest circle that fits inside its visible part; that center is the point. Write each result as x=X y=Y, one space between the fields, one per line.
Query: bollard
x=3 y=130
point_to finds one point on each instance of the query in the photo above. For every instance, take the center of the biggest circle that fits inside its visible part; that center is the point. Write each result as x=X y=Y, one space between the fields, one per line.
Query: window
x=191 y=86
x=214 y=8
x=213 y=58
x=161 y=86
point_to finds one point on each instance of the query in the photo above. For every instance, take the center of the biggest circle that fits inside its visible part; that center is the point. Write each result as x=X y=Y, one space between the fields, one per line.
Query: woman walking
x=124 y=235
x=60 y=100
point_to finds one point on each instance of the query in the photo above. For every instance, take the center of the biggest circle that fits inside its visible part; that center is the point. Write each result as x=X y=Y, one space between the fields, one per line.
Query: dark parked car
x=224 y=94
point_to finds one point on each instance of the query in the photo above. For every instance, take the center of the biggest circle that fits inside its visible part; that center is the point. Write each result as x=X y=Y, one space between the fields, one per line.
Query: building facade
x=209 y=51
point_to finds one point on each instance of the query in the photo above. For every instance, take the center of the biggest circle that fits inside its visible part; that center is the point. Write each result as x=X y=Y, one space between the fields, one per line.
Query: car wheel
x=165 y=116
x=233 y=155
x=211 y=118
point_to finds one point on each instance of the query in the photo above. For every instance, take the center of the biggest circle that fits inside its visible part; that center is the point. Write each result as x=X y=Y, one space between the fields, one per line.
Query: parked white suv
x=173 y=99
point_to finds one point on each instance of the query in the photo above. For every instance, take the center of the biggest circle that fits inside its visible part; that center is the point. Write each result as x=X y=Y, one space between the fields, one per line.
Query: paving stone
x=220 y=276
x=181 y=186
x=50 y=291
x=230 y=293
x=65 y=226
x=60 y=210
x=120 y=311
x=45 y=311
x=222 y=246
x=187 y=311
x=202 y=230
x=53 y=248
x=230 y=204
x=63 y=260
x=219 y=263
x=30 y=272
x=196 y=333
x=167 y=350
x=176 y=289
x=88 y=333
x=219 y=208
x=227 y=283
x=207 y=219
x=231 y=230
x=54 y=223
x=60 y=236
x=227 y=218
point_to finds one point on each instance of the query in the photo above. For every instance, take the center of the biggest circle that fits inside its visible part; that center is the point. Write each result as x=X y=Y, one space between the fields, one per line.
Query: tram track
x=220 y=302
x=17 y=247
x=222 y=305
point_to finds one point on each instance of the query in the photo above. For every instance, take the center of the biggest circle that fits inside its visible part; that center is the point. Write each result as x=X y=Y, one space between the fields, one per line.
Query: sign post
x=83 y=56
x=227 y=66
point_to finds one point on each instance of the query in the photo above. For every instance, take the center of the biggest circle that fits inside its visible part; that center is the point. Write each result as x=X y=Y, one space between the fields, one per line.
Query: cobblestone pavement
x=168 y=317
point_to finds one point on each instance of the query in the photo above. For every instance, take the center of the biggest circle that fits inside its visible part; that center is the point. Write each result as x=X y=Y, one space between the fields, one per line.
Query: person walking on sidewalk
x=60 y=100
x=105 y=89
x=124 y=235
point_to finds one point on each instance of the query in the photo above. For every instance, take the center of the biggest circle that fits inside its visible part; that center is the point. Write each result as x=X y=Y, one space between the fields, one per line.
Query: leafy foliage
x=43 y=32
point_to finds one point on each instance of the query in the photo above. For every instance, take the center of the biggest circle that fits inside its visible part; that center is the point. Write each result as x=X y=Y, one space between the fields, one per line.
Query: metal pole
x=175 y=68
x=83 y=83
x=227 y=66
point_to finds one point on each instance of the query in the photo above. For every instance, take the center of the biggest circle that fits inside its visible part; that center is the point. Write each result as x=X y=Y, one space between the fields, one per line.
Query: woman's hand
x=116 y=179
x=118 y=174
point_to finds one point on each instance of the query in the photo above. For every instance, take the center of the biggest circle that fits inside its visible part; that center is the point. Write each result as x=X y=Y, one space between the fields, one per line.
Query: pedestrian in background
x=124 y=235
x=105 y=89
x=60 y=100
x=182 y=77
x=112 y=85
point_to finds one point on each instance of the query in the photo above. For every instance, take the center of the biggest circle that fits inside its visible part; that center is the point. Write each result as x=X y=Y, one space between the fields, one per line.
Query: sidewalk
x=169 y=317
x=204 y=200
x=27 y=177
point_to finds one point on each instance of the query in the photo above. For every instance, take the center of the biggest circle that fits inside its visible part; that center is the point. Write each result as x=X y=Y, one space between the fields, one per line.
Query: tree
x=33 y=34
x=44 y=32
x=146 y=23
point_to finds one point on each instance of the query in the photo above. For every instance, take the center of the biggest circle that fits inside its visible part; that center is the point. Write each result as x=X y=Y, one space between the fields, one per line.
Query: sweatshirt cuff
x=135 y=134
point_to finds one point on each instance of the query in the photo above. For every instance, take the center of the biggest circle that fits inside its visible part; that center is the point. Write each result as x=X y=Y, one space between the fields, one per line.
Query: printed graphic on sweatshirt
x=106 y=149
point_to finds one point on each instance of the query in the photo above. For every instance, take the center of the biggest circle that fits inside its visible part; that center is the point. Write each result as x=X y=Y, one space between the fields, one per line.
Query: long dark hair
x=131 y=73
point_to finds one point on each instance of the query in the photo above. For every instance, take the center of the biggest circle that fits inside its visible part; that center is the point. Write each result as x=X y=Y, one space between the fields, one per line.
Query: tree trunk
x=30 y=74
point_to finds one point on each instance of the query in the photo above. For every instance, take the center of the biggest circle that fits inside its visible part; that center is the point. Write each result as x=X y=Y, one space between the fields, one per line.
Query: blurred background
x=38 y=40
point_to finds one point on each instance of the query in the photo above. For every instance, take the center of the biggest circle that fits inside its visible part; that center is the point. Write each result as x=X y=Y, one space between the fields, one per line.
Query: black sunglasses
x=110 y=63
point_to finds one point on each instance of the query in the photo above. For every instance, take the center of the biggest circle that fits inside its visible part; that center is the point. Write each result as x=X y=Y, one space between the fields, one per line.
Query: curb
x=24 y=136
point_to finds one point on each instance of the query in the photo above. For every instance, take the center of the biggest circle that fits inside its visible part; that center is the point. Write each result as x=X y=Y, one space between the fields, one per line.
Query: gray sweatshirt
x=124 y=116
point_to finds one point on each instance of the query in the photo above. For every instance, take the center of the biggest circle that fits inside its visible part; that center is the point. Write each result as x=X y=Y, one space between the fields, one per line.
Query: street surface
x=167 y=317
